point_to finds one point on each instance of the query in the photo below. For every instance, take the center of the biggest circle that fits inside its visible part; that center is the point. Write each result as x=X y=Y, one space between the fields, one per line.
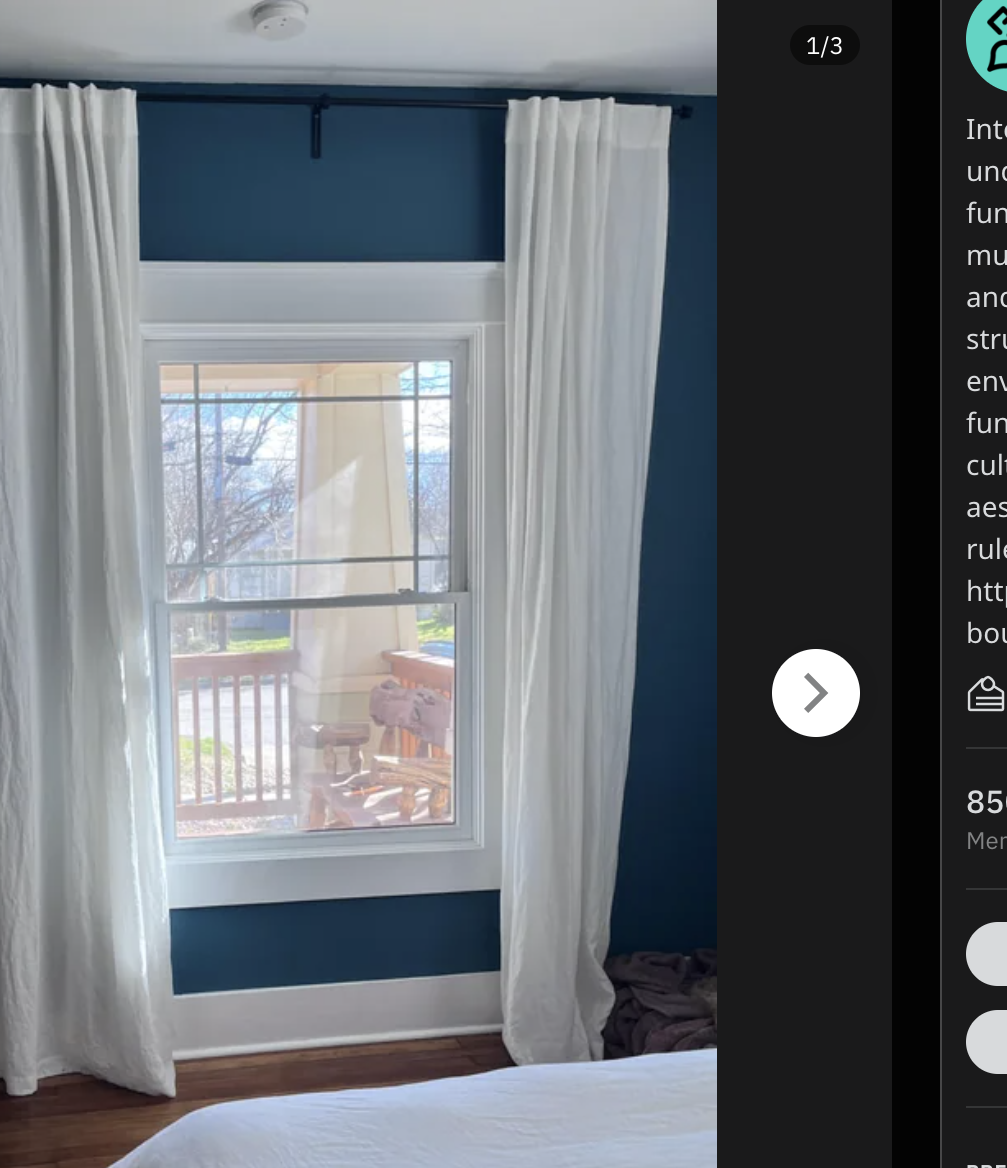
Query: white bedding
x=655 y=1111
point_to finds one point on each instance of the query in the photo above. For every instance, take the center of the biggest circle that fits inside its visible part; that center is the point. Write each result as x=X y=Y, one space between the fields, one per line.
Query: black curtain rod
x=319 y=102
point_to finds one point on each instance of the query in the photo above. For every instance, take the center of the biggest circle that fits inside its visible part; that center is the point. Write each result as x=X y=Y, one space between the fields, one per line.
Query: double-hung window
x=319 y=544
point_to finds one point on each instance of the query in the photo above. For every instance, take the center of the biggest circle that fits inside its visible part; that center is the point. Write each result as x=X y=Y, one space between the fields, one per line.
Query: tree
x=231 y=485
x=247 y=461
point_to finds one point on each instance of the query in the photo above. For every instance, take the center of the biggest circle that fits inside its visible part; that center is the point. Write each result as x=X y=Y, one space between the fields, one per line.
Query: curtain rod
x=323 y=101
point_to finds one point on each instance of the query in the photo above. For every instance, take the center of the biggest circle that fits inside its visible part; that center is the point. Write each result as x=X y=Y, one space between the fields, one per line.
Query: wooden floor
x=77 y=1122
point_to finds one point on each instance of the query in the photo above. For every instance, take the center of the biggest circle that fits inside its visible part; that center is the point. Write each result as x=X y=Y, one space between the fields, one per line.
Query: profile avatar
x=995 y=52
x=986 y=41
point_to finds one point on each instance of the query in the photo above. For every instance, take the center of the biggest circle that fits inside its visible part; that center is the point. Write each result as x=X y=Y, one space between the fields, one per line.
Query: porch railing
x=233 y=702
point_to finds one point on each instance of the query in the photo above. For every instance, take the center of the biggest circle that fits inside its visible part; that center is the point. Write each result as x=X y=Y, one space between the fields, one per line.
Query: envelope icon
x=986 y=697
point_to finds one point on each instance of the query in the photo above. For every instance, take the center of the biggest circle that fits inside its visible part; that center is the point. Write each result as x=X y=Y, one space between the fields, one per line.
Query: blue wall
x=237 y=183
x=255 y=945
x=666 y=893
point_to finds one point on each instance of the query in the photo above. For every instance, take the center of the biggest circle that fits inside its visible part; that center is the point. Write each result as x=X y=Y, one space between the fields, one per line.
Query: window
x=322 y=628
x=314 y=582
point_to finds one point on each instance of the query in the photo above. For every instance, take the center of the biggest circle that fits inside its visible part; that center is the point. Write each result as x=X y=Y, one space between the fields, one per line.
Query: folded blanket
x=663 y=1002
x=392 y=704
x=423 y=712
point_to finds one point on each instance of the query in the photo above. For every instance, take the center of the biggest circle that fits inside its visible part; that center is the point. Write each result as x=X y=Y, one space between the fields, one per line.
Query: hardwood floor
x=77 y=1122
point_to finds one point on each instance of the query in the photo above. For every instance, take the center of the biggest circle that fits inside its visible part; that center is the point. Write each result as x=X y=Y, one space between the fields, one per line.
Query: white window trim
x=220 y=312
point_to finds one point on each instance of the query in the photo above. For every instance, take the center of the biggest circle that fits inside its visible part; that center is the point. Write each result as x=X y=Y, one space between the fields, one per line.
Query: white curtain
x=84 y=958
x=587 y=209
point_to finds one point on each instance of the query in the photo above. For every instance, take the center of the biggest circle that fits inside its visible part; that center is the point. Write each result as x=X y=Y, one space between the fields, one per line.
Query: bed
x=652 y=1111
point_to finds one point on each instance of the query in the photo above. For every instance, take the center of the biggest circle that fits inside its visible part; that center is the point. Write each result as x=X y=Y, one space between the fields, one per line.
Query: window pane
x=353 y=493
x=294 y=380
x=181 y=497
x=185 y=584
x=435 y=377
x=435 y=628
x=434 y=576
x=249 y=479
x=313 y=720
x=272 y=493
x=178 y=381
x=434 y=503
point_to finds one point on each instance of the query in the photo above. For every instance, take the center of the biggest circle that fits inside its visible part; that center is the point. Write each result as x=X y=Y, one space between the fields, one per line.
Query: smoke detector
x=279 y=20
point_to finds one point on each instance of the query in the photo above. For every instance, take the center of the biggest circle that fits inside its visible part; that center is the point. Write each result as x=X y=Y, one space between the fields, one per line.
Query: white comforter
x=655 y=1111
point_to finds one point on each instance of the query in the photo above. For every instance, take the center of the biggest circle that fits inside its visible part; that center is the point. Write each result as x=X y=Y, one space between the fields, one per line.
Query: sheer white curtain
x=84 y=958
x=587 y=209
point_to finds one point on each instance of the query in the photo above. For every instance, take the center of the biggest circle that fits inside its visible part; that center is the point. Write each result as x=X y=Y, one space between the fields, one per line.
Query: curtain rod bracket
x=323 y=103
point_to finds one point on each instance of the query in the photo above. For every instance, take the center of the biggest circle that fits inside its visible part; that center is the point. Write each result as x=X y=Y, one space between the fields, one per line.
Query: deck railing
x=234 y=756
x=234 y=734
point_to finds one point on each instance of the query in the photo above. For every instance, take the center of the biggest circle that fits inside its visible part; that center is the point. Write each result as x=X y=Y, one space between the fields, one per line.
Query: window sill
x=200 y=881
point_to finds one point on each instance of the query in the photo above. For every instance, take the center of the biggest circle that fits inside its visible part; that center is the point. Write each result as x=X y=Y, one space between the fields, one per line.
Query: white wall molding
x=341 y=1014
x=251 y=295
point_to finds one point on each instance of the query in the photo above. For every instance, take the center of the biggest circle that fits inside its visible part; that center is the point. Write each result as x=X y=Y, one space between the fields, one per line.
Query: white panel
x=299 y=294
x=298 y=1017
x=260 y=878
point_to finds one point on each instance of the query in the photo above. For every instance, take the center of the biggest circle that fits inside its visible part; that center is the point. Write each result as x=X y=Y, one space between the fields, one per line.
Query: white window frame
x=208 y=313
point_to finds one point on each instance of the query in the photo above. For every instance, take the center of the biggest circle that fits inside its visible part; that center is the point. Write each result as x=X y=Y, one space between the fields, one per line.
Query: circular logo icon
x=815 y=693
x=986 y=41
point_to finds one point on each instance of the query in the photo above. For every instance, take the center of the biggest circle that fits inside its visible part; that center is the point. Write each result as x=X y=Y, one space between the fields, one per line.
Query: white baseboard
x=298 y=1017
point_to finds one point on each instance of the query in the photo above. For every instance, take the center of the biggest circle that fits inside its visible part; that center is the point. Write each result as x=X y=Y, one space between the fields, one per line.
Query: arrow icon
x=822 y=692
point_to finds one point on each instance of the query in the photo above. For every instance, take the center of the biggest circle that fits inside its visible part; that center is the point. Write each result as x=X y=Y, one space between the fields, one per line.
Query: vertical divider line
x=197 y=742
x=416 y=476
x=278 y=731
x=257 y=696
x=238 y=792
x=176 y=735
x=200 y=542
x=218 y=769
x=452 y=581
x=295 y=794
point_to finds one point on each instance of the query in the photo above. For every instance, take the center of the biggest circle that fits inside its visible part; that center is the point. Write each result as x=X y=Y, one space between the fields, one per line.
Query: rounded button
x=815 y=693
x=986 y=953
x=986 y=1042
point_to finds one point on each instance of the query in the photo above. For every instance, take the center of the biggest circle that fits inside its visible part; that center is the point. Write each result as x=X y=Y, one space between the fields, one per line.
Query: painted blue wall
x=254 y=945
x=666 y=892
x=237 y=183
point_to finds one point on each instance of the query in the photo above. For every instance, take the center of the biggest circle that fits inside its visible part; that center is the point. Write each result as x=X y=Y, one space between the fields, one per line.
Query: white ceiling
x=657 y=46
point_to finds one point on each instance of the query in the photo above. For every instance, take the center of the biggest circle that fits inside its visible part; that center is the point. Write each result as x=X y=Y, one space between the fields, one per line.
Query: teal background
x=231 y=182
x=980 y=39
